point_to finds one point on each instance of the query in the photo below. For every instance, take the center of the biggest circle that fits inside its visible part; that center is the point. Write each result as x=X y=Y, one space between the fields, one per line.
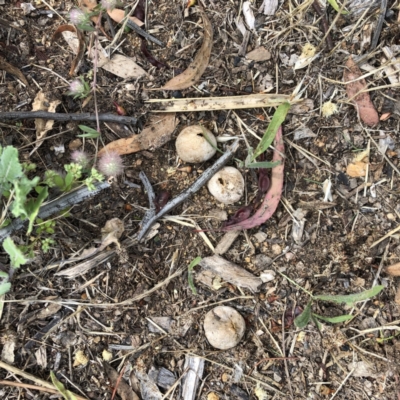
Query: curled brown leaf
x=357 y=92
x=193 y=73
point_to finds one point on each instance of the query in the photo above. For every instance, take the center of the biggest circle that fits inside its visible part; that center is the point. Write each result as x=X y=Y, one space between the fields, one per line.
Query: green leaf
x=22 y=189
x=269 y=135
x=350 y=299
x=61 y=388
x=304 y=318
x=263 y=164
x=334 y=320
x=190 y=274
x=33 y=207
x=10 y=168
x=17 y=258
x=90 y=132
x=336 y=6
x=5 y=288
x=69 y=178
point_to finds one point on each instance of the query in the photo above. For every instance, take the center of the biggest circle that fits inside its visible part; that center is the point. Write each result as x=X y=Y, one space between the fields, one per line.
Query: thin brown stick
x=325 y=26
x=121 y=119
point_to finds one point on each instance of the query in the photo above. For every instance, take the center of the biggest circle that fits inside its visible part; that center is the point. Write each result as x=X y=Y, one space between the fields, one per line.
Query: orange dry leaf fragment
x=357 y=92
x=357 y=169
x=118 y=15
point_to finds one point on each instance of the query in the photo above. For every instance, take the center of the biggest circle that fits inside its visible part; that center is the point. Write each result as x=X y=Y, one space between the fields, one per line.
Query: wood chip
x=259 y=54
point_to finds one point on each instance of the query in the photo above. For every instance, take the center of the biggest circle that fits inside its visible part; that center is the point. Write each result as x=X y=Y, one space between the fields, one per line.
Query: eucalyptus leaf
x=334 y=320
x=304 y=318
x=350 y=299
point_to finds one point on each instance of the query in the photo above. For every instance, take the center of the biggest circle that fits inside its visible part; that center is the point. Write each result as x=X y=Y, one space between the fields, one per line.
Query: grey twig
x=143 y=33
x=151 y=212
x=379 y=25
x=121 y=119
x=204 y=178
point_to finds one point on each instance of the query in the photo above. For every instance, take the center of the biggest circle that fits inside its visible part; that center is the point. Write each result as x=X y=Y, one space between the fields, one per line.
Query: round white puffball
x=193 y=147
x=227 y=185
x=224 y=327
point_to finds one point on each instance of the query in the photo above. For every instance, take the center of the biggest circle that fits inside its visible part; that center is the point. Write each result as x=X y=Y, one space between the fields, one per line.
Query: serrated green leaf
x=336 y=7
x=5 y=288
x=17 y=258
x=10 y=167
x=334 y=320
x=270 y=133
x=61 y=388
x=304 y=318
x=90 y=132
x=190 y=274
x=350 y=299
x=22 y=188
x=263 y=164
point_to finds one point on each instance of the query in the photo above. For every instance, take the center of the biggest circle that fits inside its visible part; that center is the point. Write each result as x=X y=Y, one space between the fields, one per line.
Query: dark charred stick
x=149 y=219
x=325 y=25
x=120 y=119
x=143 y=33
x=379 y=25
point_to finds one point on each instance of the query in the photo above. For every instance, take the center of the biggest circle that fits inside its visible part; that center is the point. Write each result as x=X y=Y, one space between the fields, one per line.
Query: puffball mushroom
x=224 y=327
x=192 y=146
x=227 y=185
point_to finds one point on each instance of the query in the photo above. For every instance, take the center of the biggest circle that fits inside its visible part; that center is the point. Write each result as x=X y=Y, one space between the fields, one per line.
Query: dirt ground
x=73 y=324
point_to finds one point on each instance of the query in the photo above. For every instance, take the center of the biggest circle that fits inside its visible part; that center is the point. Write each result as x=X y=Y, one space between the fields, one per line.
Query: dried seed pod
x=227 y=185
x=193 y=146
x=224 y=327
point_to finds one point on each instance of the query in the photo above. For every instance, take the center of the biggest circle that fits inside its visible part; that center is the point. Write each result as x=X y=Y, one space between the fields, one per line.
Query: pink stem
x=273 y=195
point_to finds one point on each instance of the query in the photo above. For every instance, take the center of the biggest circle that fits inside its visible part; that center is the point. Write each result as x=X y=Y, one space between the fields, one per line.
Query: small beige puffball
x=224 y=327
x=227 y=185
x=193 y=147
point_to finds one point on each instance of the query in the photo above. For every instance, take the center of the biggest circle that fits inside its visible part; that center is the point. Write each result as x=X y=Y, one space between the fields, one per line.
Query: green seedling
x=61 y=388
x=17 y=258
x=90 y=133
x=349 y=299
x=336 y=7
x=190 y=274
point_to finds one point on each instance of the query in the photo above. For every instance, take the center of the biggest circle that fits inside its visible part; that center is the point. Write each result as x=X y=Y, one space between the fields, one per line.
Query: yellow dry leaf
x=107 y=356
x=362 y=156
x=80 y=359
x=308 y=54
x=357 y=169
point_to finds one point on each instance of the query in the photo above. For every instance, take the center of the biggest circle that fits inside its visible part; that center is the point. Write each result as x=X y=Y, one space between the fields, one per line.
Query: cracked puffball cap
x=224 y=327
x=192 y=145
x=227 y=185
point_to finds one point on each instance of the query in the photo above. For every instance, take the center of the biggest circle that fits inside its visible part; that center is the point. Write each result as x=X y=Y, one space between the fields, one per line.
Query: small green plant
x=17 y=258
x=61 y=388
x=190 y=274
x=79 y=88
x=308 y=315
x=23 y=198
x=90 y=133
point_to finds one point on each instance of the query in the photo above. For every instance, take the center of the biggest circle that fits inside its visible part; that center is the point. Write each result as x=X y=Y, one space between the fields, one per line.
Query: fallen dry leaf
x=5 y=66
x=81 y=45
x=158 y=132
x=116 y=381
x=196 y=68
x=119 y=65
x=357 y=169
x=118 y=15
x=273 y=195
x=361 y=100
x=393 y=270
x=41 y=103
x=259 y=54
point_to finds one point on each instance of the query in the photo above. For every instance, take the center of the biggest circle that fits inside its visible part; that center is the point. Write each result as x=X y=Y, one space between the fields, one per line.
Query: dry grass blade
x=5 y=66
x=221 y=103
